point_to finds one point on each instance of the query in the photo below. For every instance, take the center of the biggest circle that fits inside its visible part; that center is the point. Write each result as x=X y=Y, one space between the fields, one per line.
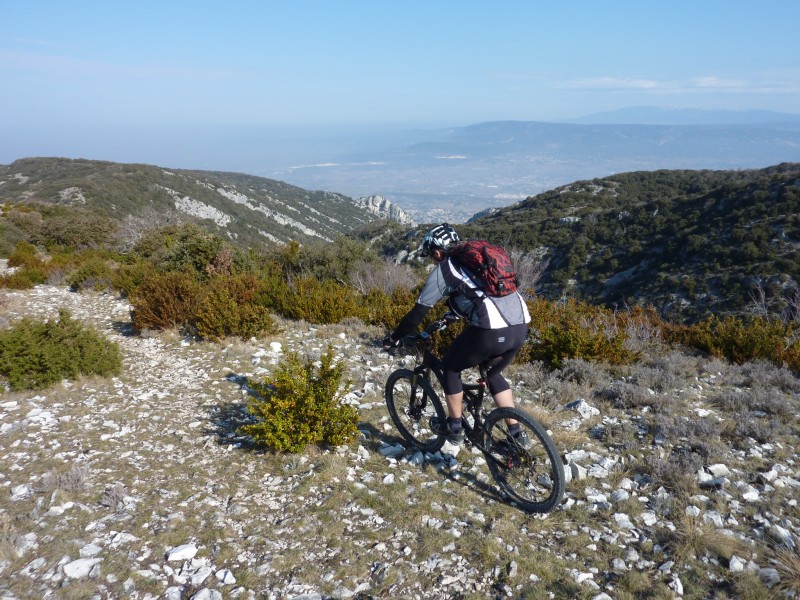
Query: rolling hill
x=686 y=241
x=244 y=208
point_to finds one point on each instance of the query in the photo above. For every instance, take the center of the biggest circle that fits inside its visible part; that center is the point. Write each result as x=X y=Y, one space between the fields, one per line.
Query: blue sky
x=106 y=70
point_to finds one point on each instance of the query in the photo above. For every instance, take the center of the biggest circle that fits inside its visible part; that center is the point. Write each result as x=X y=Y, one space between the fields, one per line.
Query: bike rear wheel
x=532 y=478
x=411 y=403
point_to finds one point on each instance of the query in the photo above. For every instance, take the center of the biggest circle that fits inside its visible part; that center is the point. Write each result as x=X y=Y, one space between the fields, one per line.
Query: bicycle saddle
x=488 y=364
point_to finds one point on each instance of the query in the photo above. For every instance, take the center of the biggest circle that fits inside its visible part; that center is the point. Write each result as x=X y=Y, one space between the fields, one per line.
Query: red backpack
x=490 y=263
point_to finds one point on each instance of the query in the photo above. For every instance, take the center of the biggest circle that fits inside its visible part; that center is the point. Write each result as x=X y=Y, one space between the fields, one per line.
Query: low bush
x=386 y=310
x=20 y=280
x=131 y=275
x=624 y=395
x=76 y=229
x=575 y=330
x=383 y=276
x=321 y=302
x=10 y=236
x=301 y=405
x=95 y=273
x=232 y=306
x=742 y=341
x=165 y=300
x=36 y=354
x=25 y=255
x=189 y=249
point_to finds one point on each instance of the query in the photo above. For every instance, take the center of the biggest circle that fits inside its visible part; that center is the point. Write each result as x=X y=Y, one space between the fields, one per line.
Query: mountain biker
x=497 y=327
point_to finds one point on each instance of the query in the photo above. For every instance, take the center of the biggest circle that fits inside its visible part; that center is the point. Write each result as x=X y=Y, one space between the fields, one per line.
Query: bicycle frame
x=474 y=393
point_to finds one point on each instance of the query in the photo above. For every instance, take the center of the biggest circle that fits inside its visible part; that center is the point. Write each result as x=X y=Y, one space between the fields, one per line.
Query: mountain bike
x=532 y=478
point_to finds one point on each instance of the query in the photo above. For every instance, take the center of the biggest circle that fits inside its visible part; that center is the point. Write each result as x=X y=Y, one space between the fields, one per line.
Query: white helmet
x=440 y=237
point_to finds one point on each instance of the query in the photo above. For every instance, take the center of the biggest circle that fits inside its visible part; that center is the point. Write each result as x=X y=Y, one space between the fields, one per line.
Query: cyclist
x=497 y=327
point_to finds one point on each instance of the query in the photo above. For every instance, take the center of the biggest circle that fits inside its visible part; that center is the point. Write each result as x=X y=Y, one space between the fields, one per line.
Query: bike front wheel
x=532 y=477
x=411 y=403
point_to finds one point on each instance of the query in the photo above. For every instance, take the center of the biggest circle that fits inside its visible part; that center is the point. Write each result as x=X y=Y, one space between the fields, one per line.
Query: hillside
x=241 y=207
x=687 y=242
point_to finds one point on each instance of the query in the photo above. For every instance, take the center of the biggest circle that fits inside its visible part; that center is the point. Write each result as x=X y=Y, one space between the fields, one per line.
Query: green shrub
x=25 y=255
x=301 y=405
x=77 y=229
x=19 y=280
x=131 y=275
x=189 y=249
x=742 y=341
x=320 y=302
x=25 y=220
x=31 y=269
x=336 y=261
x=165 y=300
x=231 y=306
x=10 y=236
x=95 y=273
x=576 y=330
x=35 y=354
x=386 y=310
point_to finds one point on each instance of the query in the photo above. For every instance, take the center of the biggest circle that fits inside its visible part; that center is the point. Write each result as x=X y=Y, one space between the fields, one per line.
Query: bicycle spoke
x=532 y=477
x=411 y=408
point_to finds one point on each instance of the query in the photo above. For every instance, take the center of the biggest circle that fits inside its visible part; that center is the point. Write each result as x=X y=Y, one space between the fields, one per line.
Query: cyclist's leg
x=467 y=350
x=513 y=338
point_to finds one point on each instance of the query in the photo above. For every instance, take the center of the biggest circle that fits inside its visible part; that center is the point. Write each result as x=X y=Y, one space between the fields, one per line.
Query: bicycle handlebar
x=439 y=324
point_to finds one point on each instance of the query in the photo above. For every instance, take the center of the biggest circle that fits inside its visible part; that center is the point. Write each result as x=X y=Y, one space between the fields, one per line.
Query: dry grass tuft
x=77 y=479
x=693 y=538
x=787 y=563
x=114 y=497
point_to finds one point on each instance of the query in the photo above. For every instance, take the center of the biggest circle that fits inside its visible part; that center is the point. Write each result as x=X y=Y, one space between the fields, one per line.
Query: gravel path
x=138 y=487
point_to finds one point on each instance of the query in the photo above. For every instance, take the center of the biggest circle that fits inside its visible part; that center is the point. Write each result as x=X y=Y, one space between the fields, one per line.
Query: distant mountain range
x=242 y=207
x=451 y=174
x=654 y=115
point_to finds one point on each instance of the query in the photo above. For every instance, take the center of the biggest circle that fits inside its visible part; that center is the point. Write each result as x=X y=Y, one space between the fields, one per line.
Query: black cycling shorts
x=474 y=346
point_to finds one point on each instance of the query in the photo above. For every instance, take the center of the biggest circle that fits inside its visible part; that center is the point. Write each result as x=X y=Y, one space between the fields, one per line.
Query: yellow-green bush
x=77 y=229
x=320 y=302
x=301 y=405
x=35 y=354
x=741 y=340
x=575 y=329
x=188 y=248
x=25 y=255
x=165 y=300
x=131 y=275
x=386 y=310
x=232 y=306
x=20 y=280
x=94 y=273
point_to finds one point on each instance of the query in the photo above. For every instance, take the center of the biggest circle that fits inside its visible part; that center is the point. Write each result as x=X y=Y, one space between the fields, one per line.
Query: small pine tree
x=301 y=405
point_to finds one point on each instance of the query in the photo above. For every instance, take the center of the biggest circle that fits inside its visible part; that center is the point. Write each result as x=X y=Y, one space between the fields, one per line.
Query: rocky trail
x=138 y=486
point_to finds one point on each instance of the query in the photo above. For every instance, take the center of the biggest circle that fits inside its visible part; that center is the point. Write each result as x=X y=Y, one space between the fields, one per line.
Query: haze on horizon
x=193 y=85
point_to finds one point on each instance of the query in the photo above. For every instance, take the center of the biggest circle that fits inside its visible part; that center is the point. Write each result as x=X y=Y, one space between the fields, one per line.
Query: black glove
x=389 y=343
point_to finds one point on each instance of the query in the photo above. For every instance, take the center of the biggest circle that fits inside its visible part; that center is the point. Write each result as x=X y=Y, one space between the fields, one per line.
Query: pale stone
x=769 y=576
x=714 y=518
x=78 y=569
x=736 y=565
x=184 y=552
x=619 y=495
x=719 y=470
x=578 y=472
